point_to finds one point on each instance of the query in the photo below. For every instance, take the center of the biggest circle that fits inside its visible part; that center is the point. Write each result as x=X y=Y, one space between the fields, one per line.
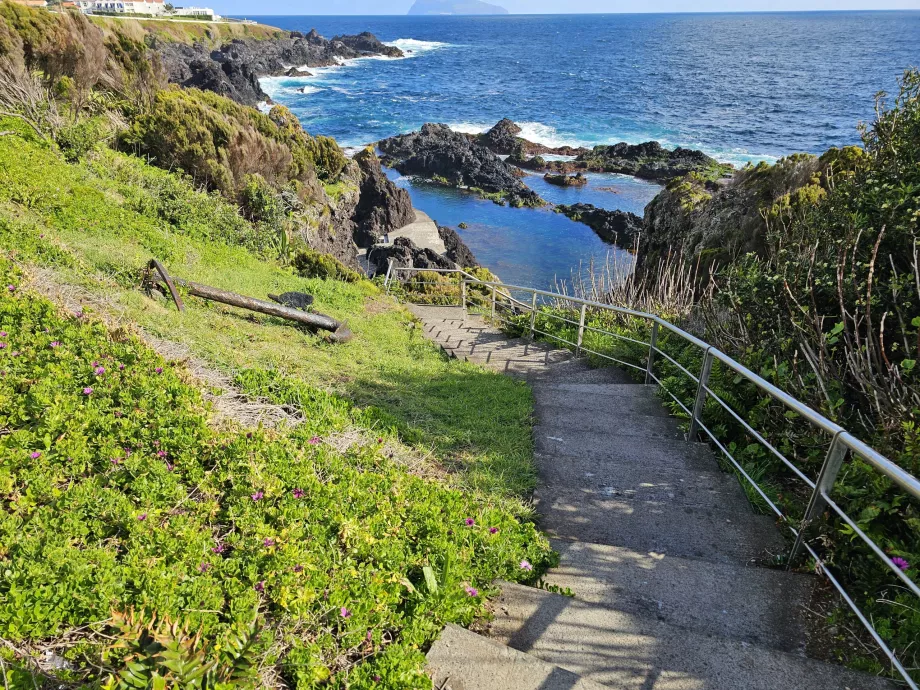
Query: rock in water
x=451 y=158
x=457 y=251
x=576 y=180
x=368 y=44
x=295 y=300
x=617 y=227
x=650 y=161
x=382 y=206
x=502 y=138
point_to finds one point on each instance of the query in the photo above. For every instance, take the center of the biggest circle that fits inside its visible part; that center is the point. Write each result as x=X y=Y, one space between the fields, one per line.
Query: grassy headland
x=153 y=531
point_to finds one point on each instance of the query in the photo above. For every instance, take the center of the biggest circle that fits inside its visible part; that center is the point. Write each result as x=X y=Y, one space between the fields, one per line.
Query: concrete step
x=758 y=605
x=579 y=371
x=635 y=652
x=568 y=435
x=665 y=527
x=610 y=420
x=699 y=484
x=429 y=313
x=601 y=402
x=462 y=660
x=517 y=352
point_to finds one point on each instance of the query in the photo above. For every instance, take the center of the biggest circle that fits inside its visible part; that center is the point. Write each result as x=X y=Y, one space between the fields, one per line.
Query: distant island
x=448 y=7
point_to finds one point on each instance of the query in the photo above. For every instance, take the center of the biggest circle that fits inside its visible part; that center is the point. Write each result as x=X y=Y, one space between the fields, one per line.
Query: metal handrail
x=842 y=442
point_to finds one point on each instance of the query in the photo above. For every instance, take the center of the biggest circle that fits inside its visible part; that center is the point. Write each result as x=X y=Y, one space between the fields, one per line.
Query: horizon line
x=596 y=14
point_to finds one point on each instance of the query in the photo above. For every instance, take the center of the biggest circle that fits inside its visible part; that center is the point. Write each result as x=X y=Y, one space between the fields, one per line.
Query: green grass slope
x=121 y=490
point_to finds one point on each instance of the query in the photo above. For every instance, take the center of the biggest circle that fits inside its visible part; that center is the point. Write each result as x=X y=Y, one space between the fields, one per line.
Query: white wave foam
x=469 y=127
x=412 y=47
x=540 y=133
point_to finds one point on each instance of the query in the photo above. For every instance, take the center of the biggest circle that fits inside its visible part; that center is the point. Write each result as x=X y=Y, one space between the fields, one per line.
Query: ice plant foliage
x=345 y=528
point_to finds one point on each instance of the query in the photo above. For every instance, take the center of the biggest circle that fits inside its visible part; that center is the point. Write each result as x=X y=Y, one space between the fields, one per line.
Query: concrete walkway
x=660 y=547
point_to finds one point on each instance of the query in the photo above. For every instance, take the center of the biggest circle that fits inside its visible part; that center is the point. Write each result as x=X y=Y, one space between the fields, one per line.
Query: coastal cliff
x=233 y=70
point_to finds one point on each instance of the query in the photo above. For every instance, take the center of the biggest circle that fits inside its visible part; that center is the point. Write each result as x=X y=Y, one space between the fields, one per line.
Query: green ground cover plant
x=343 y=559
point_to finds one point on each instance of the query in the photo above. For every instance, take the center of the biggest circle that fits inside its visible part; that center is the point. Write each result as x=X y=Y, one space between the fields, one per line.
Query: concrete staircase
x=659 y=546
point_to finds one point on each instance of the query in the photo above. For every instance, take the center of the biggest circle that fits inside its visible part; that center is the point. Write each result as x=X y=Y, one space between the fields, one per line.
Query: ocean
x=741 y=87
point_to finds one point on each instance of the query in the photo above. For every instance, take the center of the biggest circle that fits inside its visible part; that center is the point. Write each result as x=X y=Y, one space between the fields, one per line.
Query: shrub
x=311 y=264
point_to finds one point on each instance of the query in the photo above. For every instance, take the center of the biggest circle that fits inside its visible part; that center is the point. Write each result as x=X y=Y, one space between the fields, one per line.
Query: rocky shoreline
x=234 y=69
x=438 y=154
x=620 y=228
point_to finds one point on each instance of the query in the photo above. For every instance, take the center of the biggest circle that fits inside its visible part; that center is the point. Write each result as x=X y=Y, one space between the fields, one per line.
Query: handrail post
x=463 y=295
x=833 y=461
x=533 y=314
x=700 y=395
x=581 y=328
x=653 y=343
x=492 y=314
x=386 y=281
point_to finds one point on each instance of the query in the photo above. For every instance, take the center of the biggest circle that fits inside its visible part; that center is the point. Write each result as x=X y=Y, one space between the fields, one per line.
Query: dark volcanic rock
x=368 y=44
x=436 y=152
x=563 y=180
x=617 y=227
x=234 y=69
x=502 y=138
x=457 y=251
x=406 y=254
x=650 y=161
x=382 y=206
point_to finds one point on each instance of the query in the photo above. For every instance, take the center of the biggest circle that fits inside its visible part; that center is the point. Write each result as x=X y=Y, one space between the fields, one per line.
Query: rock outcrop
x=617 y=227
x=504 y=140
x=382 y=206
x=457 y=251
x=439 y=154
x=234 y=69
x=650 y=161
x=716 y=222
x=562 y=180
x=406 y=254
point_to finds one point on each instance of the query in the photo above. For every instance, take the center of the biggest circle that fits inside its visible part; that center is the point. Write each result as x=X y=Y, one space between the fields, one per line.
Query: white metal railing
x=500 y=297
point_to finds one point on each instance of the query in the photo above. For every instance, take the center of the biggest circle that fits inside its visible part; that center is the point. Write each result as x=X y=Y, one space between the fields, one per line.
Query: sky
x=368 y=7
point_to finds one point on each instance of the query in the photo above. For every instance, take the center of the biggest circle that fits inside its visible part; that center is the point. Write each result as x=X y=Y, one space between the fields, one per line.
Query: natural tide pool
x=533 y=247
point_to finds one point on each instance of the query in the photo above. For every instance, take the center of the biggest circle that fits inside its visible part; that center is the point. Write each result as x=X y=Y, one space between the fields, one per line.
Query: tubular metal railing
x=499 y=298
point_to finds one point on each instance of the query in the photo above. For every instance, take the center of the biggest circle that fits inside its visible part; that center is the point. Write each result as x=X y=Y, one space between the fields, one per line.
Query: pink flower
x=14 y=353
x=344 y=613
x=379 y=440
x=525 y=565
x=159 y=370
x=472 y=591
x=161 y=453
x=260 y=586
x=257 y=496
x=901 y=563
x=115 y=461
x=88 y=391
x=220 y=548
x=469 y=522
x=11 y=288
x=314 y=440
x=493 y=530
x=268 y=542
x=142 y=517
x=170 y=467
x=204 y=567
x=99 y=371
x=298 y=493
x=3 y=334
x=121 y=367
x=2 y=346
x=54 y=344
x=298 y=568
x=36 y=455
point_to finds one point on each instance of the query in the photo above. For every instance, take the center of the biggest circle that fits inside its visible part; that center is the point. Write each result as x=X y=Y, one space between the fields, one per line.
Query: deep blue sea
x=742 y=87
